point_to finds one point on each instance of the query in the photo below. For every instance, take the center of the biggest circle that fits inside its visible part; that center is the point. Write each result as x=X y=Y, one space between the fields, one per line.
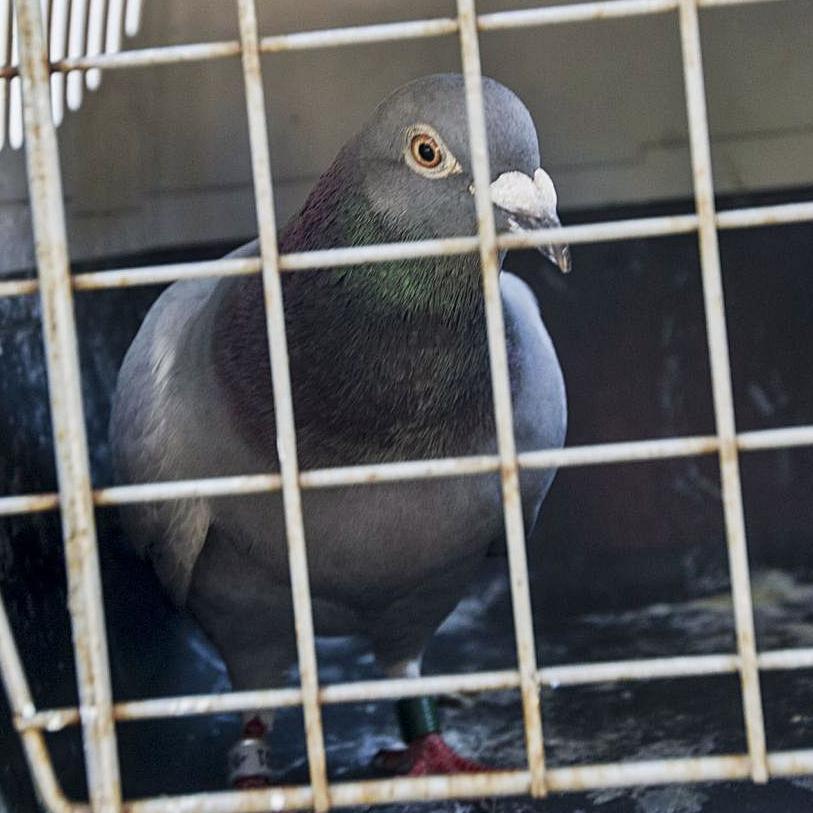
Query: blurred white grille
x=76 y=29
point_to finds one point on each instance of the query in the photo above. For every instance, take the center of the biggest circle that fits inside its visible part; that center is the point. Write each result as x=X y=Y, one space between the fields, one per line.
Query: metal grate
x=76 y=499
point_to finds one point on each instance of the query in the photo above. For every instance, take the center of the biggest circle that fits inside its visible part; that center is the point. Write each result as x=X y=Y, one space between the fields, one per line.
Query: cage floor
x=595 y=723
x=154 y=651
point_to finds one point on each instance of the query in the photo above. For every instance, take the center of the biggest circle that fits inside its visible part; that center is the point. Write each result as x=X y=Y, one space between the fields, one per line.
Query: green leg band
x=417 y=716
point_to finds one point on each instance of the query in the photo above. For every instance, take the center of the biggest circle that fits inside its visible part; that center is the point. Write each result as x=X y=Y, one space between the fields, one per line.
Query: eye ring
x=426 y=154
x=426 y=151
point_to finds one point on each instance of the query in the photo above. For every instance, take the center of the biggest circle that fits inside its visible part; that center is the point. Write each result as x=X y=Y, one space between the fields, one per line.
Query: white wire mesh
x=76 y=499
x=70 y=444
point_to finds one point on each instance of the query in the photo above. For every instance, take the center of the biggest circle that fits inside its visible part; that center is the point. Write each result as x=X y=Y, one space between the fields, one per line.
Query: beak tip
x=565 y=263
x=559 y=255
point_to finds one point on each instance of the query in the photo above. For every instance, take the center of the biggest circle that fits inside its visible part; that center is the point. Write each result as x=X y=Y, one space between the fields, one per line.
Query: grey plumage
x=388 y=362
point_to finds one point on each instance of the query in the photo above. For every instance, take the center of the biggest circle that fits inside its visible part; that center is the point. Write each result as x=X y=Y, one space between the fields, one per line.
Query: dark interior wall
x=629 y=327
x=630 y=331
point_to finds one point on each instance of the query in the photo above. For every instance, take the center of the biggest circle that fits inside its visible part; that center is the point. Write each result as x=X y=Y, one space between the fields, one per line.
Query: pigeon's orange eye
x=426 y=151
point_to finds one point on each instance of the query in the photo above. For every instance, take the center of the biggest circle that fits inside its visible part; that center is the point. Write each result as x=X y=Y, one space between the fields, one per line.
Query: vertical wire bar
x=59 y=333
x=76 y=48
x=501 y=387
x=721 y=385
x=15 y=102
x=11 y=670
x=22 y=706
x=58 y=45
x=95 y=40
x=16 y=134
x=115 y=23
x=5 y=54
x=132 y=17
x=283 y=403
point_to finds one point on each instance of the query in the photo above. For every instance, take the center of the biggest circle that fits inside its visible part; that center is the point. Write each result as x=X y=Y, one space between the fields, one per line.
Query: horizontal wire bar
x=382 y=252
x=242 y=801
x=142 y=57
x=594 y=454
x=366 y=34
x=578 y=674
x=765 y=215
x=204 y=51
x=713 y=3
x=779 y=659
x=158 y=274
x=600 y=232
x=775 y=438
x=28 y=504
x=386 y=252
x=643 y=669
x=191 y=705
x=357 y=691
x=361 y=691
x=423 y=789
x=48 y=719
x=650 y=772
x=791 y=763
x=359 y=35
x=579 y=12
x=503 y=783
x=18 y=287
x=630 y=451
x=187 y=489
x=390 y=472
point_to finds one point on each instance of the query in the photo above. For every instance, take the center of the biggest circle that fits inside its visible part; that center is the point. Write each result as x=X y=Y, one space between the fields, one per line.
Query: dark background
x=614 y=543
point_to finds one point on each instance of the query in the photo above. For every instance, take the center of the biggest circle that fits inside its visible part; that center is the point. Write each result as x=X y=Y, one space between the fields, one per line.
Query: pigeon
x=389 y=362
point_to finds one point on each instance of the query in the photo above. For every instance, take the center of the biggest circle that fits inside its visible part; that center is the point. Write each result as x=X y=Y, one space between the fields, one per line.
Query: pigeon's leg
x=249 y=759
x=426 y=752
x=250 y=622
x=250 y=756
x=258 y=666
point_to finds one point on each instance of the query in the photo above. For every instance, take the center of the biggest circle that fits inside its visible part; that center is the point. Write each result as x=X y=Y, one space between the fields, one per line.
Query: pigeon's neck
x=338 y=214
x=387 y=360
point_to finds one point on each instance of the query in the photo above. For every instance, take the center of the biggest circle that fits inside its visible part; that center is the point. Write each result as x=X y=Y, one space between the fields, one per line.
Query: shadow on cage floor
x=605 y=722
x=595 y=723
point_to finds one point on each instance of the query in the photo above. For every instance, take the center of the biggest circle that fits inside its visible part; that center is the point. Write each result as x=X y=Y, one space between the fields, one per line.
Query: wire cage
x=76 y=499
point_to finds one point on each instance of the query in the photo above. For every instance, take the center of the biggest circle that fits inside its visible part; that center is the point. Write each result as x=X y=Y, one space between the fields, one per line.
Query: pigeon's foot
x=249 y=758
x=251 y=782
x=424 y=756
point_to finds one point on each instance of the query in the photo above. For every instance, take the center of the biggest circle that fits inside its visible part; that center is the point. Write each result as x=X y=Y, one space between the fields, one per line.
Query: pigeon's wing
x=149 y=429
x=541 y=399
x=538 y=393
x=75 y=29
x=166 y=425
x=251 y=249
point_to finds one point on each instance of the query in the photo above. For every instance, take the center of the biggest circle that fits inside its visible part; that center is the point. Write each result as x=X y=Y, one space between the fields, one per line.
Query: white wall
x=159 y=156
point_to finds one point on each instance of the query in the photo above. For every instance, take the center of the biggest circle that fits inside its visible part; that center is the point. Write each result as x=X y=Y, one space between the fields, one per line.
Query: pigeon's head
x=415 y=164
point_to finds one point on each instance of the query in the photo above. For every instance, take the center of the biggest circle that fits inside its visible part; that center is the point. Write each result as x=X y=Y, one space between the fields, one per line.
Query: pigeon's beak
x=530 y=203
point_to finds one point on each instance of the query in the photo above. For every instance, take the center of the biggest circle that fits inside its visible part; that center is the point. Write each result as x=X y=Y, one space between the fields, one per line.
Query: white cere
x=516 y=192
